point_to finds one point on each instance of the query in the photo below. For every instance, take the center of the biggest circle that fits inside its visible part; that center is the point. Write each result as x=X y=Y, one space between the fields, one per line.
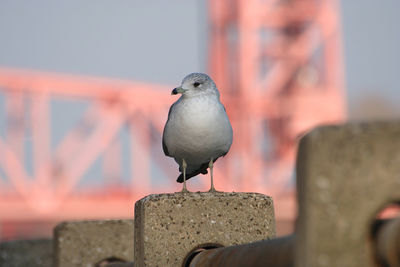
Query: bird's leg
x=184 y=165
x=210 y=165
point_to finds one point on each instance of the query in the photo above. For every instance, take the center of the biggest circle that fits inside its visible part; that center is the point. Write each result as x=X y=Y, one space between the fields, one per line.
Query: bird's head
x=196 y=84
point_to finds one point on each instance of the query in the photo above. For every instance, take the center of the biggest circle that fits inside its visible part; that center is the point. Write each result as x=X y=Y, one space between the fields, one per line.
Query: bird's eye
x=196 y=84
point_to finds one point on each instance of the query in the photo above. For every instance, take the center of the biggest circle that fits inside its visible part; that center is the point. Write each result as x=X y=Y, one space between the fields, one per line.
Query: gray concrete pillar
x=169 y=226
x=345 y=175
x=86 y=243
x=21 y=253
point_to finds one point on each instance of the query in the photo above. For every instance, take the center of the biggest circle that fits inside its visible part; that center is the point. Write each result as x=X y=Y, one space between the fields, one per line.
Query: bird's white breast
x=201 y=129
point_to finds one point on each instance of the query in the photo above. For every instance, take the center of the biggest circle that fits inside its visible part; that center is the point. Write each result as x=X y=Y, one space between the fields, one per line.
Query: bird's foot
x=212 y=190
x=184 y=190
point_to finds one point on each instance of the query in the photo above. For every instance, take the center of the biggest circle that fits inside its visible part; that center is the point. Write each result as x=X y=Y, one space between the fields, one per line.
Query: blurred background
x=85 y=92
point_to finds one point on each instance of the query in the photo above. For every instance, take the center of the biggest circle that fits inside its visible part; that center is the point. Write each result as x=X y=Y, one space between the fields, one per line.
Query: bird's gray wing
x=164 y=146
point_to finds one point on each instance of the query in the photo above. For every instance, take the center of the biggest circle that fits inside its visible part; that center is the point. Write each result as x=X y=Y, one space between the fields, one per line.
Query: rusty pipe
x=277 y=252
x=387 y=243
x=119 y=264
x=114 y=262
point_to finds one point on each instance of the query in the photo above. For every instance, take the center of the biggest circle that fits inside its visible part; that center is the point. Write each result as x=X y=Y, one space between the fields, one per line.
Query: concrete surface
x=22 y=253
x=345 y=175
x=86 y=243
x=169 y=226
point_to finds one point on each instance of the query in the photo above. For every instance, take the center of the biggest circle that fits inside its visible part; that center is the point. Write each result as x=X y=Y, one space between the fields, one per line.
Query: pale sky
x=161 y=41
x=372 y=48
x=157 y=41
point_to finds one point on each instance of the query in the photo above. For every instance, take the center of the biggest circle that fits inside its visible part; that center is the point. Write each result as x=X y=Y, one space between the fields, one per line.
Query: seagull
x=197 y=131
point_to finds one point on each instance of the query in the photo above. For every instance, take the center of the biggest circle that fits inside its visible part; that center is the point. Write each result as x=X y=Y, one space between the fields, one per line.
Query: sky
x=158 y=41
x=161 y=41
x=371 y=46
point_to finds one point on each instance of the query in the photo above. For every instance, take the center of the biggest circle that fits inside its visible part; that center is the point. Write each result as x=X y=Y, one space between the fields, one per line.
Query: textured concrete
x=345 y=175
x=86 y=243
x=22 y=253
x=169 y=226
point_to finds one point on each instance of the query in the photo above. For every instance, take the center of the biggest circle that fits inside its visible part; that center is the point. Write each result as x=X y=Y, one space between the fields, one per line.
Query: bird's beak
x=178 y=90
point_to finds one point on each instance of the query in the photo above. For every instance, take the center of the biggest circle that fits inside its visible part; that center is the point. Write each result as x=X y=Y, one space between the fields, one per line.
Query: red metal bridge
x=278 y=65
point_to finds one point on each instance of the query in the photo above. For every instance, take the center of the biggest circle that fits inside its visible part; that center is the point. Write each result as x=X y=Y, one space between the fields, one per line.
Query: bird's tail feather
x=202 y=170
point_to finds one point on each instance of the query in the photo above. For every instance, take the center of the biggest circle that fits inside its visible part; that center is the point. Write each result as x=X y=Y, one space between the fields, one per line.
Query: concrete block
x=86 y=243
x=169 y=226
x=22 y=253
x=345 y=175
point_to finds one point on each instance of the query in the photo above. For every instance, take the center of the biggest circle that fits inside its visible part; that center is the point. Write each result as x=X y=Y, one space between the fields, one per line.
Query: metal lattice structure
x=278 y=65
x=281 y=62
